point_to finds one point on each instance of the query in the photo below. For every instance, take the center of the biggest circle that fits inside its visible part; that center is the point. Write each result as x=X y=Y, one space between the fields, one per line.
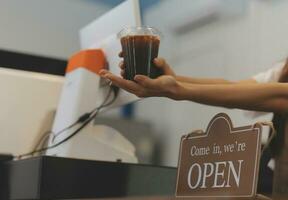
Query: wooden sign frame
x=222 y=125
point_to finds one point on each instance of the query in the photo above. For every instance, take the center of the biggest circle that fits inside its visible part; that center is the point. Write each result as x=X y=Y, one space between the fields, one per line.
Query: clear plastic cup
x=140 y=45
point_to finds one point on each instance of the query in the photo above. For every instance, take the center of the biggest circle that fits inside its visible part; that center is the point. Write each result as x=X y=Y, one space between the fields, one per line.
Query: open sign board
x=221 y=162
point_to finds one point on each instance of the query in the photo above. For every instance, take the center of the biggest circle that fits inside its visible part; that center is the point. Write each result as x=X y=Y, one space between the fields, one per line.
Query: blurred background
x=202 y=38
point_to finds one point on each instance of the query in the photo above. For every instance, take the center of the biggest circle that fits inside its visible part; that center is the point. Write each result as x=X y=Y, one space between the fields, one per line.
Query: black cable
x=82 y=118
x=62 y=141
x=42 y=140
x=48 y=133
x=87 y=115
x=91 y=114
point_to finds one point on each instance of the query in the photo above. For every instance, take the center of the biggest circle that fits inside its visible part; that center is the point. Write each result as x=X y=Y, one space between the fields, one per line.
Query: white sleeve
x=270 y=76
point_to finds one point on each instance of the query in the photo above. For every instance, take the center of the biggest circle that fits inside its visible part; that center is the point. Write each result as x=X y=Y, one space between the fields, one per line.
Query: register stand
x=63 y=178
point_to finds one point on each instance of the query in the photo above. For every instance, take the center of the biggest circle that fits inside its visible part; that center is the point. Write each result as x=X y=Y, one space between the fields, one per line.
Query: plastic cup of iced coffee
x=140 y=46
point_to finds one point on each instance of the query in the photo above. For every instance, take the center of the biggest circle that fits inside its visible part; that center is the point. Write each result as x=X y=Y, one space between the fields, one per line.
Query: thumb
x=145 y=81
x=162 y=64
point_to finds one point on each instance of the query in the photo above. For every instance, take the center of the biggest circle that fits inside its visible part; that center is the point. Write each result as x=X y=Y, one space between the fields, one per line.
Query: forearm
x=191 y=80
x=260 y=97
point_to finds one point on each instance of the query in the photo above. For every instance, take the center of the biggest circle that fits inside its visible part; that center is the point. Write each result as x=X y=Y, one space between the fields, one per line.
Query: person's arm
x=278 y=73
x=167 y=70
x=214 y=81
x=271 y=97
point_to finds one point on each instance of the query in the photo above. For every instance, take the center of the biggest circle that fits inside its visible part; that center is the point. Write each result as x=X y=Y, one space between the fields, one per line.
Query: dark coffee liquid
x=139 y=52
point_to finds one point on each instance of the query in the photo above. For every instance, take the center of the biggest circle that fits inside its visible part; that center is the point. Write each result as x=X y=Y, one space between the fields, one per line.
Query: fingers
x=102 y=72
x=122 y=73
x=141 y=88
x=128 y=85
x=146 y=82
x=121 y=64
x=122 y=67
x=160 y=62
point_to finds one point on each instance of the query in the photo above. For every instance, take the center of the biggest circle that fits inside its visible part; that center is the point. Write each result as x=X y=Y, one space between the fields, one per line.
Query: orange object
x=92 y=60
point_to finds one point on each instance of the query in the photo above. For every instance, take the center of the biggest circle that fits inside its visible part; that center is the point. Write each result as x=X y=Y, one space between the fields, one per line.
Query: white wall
x=233 y=48
x=44 y=27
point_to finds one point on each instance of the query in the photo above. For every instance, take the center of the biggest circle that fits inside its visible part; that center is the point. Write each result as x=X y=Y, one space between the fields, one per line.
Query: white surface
x=125 y=14
x=28 y=101
x=271 y=164
x=82 y=93
x=102 y=33
x=271 y=75
x=97 y=143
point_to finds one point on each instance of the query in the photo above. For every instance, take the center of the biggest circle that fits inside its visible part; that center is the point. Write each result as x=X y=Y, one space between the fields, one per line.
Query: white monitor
x=102 y=33
x=28 y=103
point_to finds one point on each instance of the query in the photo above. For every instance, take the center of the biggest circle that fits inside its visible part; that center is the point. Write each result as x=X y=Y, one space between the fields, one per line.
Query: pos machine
x=84 y=90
